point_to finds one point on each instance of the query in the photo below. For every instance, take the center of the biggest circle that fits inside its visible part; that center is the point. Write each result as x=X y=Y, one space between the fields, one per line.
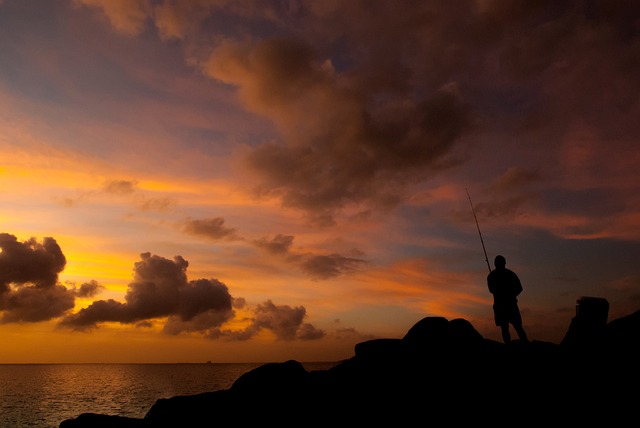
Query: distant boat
x=208 y=361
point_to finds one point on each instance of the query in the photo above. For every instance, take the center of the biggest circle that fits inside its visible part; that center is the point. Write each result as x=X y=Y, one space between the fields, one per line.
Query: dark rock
x=387 y=350
x=96 y=420
x=272 y=379
x=439 y=371
x=189 y=410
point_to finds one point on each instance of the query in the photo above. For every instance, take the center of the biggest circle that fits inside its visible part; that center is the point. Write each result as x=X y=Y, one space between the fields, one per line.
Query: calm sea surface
x=43 y=395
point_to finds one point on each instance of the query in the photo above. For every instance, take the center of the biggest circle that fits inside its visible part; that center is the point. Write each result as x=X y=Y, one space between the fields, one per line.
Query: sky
x=254 y=181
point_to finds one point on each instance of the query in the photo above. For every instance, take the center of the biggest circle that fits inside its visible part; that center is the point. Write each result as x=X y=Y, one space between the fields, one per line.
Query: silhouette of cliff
x=442 y=372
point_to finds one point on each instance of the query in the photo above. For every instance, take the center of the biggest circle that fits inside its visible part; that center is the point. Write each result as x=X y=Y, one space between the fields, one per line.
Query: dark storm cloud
x=160 y=289
x=211 y=228
x=29 y=270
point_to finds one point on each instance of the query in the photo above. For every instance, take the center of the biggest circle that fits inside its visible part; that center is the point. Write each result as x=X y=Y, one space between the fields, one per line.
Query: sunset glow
x=185 y=181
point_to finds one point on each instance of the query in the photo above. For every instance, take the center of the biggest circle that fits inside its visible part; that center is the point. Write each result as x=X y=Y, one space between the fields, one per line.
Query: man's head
x=499 y=261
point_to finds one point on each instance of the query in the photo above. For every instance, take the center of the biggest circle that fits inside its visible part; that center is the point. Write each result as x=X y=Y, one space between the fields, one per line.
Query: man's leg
x=506 y=336
x=521 y=333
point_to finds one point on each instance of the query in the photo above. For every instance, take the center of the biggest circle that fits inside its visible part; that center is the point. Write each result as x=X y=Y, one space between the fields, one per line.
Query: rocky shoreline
x=441 y=371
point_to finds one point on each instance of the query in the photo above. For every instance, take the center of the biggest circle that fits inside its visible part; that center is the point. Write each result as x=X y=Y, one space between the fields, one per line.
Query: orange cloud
x=126 y=16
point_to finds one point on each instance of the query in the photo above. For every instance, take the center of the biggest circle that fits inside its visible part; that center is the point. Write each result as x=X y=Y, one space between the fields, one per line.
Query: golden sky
x=250 y=181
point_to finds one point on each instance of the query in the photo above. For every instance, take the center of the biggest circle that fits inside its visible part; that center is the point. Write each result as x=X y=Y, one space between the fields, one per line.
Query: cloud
x=516 y=178
x=329 y=266
x=29 y=289
x=175 y=20
x=126 y=16
x=127 y=190
x=353 y=148
x=120 y=187
x=211 y=228
x=279 y=244
x=33 y=304
x=350 y=333
x=369 y=98
x=160 y=289
x=284 y=321
x=89 y=289
x=155 y=204
x=29 y=262
x=316 y=266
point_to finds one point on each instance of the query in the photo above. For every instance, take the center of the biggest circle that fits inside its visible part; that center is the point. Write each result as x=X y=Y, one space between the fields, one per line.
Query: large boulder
x=439 y=371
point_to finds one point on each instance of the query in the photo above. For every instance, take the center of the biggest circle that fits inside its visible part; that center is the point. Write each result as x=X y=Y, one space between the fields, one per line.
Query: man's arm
x=490 y=284
x=517 y=285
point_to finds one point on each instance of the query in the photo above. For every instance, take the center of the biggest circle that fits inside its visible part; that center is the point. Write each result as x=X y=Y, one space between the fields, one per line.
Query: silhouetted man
x=505 y=286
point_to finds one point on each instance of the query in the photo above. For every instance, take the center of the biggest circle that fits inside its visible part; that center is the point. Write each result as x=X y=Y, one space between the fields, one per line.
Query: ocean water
x=43 y=395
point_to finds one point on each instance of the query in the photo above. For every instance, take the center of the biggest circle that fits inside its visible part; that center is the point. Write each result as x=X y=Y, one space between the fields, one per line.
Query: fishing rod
x=479 y=233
